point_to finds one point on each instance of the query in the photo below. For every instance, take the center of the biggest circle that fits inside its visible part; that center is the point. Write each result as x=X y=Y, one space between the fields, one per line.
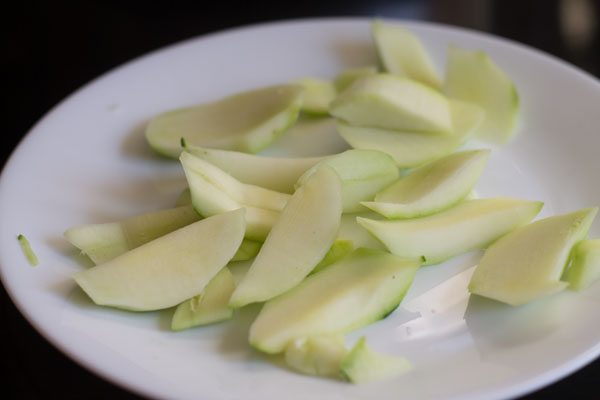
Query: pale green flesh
x=246 y=122
x=166 y=271
x=27 y=250
x=316 y=355
x=247 y=250
x=338 y=250
x=431 y=188
x=470 y=225
x=402 y=53
x=208 y=200
x=350 y=230
x=585 y=264
x=209 y=307
x=278 y=174
x=346 y=78
x=390 y=102
x=412 y=149
x=361 y=288
x=473 y=77
x=103 y=242
x=242 y=193
x=363 y=174
x=317 y=95
x=529 y=263
x=364 y=365
x=299 y=239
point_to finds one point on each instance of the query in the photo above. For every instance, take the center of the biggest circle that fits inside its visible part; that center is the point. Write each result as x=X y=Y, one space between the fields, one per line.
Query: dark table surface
x=49 y=49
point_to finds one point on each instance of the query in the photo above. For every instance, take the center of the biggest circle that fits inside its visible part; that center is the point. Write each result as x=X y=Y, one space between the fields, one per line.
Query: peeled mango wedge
x=346 y=78
x=208 y=307
x=318 y=93
x=391 y=102
x=103 y=242
x=402 y=53
x=473 y=77
x=300 y=238
x=246 y=122
x=412 y=149
x=471 y=225
x=169 y=270
x=278 y=174
x=431 y=188
x=363 y=365
x=363 y=174
x=585 y=264
x=317 y=355
x=210 y=199
x=528 y=263
x=361 y=288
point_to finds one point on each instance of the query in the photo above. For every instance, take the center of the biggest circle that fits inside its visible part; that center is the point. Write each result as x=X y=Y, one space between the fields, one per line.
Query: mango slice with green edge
x=103 y=242
x=318 y=93
x=274 y=173
x=208 y=307
x=363 y=365
x=470 y=225
x=391 y=102
x=528 y=263
x=242 y=193
x=208 y=199
x=403 y=54
x=346 y=78
x=363 y=174
x=247 y=121
x=317 y=355
x=473 y=77
x=361 y=288
x=585 y=264
x=169 y=270
x=431 y=188
x=338 y=250
x=299 y=239
x=412 y=149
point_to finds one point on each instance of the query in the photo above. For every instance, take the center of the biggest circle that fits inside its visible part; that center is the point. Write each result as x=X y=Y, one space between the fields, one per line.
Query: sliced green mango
x=528 y=263
x=471 y=225
x=168 y=270
x=431 y=188
x=318 y=93
x=304 y=232
x=403 y=54
x=364 y=365
x=585 y=264
x=242 y=193
x=472 y=76
x=247 y=250
x=247 y=121
x=103 y=242
x=361 y=288
x=208 y=200
x=363 y=173
x=338 y=250
x=351 y=231
x=346 y=78
x=412 y=149
x=317 y=355
x=27 y=250
x=208 y=307
x=279 y=174
x=391 y=102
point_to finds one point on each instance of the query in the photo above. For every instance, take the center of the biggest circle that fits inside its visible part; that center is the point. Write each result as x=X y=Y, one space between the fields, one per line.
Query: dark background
x=49 y=49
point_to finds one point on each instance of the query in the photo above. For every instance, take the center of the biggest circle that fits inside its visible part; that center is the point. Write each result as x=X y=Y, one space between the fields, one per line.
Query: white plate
x=86 y=162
